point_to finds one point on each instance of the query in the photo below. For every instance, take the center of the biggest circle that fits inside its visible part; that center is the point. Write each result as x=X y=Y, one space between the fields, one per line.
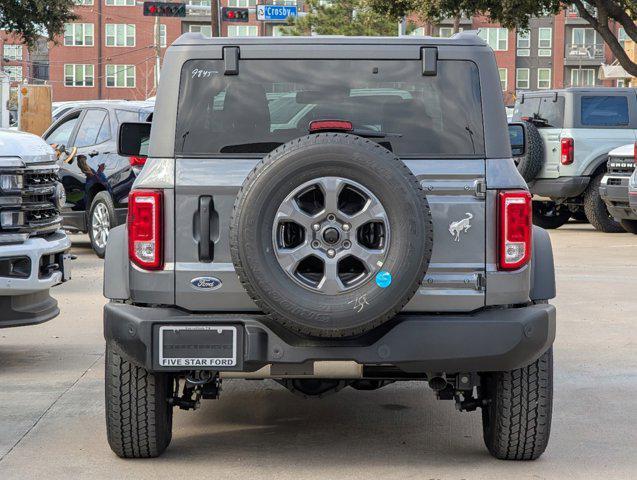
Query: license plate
x=197 y=346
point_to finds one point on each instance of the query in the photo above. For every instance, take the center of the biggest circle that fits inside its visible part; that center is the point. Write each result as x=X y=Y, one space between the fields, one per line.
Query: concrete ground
x=52 y=419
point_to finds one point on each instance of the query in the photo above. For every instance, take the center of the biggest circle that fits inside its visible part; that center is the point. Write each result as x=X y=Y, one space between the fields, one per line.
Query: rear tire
x=138 y=415
x=596 y=211
x=101 y=218
x=629 y=225
x=549 y=216
x=516 y=422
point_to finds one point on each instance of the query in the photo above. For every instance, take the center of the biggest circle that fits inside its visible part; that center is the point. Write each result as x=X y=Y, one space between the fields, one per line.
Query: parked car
x=96 y=179
x=614 y=186
x=326 y=238
x=33 y=248
x=569 y=135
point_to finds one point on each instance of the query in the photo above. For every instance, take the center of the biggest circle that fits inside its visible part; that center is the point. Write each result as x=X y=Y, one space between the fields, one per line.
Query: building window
x=621 y=82
x=243 y=31
x=83 y=2
x=582 y=77
x=120 y=35
x=121 y=3
x=242 y=3
x=12 y=52
x=622 y=37
x=14 y=73
x=445 y=32
x=418 y=32
x=78 y=75
x=162 y=34
x=584 y=36
x=204 y=29
x=203 y=3
x=503 y=78
x=120 y=76
x=522 y=78
x=497 y=38
x=524 y=39
x=78 y=34
x=545 y=42
x=543 y=78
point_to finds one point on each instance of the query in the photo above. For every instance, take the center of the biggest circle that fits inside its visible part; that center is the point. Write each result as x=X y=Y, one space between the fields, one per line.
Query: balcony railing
x=584 y=51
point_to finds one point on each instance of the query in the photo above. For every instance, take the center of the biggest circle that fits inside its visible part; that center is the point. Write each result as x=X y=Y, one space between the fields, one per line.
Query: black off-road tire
x=138 y=415
x=101 y=198
x=549 y=216
x=595 y=208
x=516 y=421
x=629 y=225
x=530 y=164
x=306 y=159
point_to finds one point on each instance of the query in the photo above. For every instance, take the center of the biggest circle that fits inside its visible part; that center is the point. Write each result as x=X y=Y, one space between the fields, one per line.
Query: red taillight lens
x=635 y=153
x=330 y=125
x=568 y=151
x=145 y=247
x=137 y=161
x=515 y=227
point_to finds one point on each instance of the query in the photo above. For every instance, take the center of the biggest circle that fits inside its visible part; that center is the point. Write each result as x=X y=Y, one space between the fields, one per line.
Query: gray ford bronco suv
x=328 y=213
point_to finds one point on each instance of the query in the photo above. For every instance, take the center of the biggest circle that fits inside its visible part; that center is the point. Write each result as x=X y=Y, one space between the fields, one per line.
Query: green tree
x=516 y=14
x=31 y=19
x=343 y=17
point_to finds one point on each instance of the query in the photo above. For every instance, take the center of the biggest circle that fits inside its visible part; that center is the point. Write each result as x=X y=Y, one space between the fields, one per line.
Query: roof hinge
x=480 y=188
x=231 y=60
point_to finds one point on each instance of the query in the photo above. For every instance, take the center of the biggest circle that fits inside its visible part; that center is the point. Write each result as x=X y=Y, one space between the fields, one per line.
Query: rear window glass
x=132 y=116
x=604 y=111
x=270 y=103
x=547 y=110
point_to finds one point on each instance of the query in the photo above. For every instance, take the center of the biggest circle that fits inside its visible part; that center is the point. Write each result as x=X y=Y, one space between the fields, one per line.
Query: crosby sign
x=275 y=13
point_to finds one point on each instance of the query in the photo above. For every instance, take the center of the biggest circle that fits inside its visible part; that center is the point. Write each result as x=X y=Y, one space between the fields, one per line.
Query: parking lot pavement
x=51 y=399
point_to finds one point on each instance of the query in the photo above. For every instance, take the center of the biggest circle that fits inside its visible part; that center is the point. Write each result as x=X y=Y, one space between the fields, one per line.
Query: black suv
x=96 y=179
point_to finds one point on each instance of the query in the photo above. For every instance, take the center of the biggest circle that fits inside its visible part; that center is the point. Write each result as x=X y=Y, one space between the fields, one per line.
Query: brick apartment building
x=108 y=52
x=557 y=51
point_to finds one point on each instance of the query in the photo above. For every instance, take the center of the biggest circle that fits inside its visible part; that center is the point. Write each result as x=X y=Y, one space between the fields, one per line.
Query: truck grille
x=621 y=166
x=32 y=208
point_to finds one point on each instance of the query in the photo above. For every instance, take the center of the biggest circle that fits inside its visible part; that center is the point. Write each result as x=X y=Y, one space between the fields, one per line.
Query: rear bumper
x=561 y=187
x=490 y=340
x=614 y=192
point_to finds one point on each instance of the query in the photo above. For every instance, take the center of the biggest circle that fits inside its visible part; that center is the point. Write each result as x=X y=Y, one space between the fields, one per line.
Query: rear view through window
x=546 y=111
x=272 y=102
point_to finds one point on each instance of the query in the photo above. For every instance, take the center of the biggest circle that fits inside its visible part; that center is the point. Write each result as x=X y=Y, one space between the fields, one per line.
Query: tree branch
x=601 y=26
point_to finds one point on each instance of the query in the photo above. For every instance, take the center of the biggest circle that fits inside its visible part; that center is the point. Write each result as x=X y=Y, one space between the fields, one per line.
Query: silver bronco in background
x=33 y=248
x=568 y=134
x=348 y=229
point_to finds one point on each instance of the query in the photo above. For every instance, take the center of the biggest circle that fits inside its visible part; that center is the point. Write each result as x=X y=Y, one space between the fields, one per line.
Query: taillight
x=137 y=161
x=635 y=153
x=568 y=151
x=145 y=247
x=515 y=227
x=331 y=125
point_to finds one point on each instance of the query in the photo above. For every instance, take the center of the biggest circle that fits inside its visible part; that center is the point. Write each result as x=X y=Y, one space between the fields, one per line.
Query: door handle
x=206 y=247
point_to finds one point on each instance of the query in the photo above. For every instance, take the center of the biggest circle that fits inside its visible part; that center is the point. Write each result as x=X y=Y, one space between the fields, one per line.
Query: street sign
x=164 y=9
x=275 y=13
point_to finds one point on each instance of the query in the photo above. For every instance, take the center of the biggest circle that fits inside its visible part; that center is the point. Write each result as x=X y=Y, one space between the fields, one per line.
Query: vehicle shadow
x=272 y=426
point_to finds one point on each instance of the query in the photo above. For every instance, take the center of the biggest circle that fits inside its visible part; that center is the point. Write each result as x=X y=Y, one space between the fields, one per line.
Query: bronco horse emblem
x=455 y=228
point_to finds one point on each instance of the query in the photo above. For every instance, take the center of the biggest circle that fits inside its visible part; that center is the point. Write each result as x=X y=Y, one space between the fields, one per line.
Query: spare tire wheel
x=530 y=164
x=331 y=235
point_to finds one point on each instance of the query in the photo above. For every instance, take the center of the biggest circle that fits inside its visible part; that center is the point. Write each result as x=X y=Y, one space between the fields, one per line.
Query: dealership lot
x=52 y=422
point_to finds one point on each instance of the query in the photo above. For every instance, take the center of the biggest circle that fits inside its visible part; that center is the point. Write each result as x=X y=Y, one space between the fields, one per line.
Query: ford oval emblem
x=205 y=283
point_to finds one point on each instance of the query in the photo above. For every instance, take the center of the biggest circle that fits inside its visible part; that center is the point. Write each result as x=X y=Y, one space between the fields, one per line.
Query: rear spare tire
x=331 y=235
x=530 y=164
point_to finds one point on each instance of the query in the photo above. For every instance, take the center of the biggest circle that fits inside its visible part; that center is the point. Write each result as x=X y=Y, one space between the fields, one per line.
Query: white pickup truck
x=33 y=249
